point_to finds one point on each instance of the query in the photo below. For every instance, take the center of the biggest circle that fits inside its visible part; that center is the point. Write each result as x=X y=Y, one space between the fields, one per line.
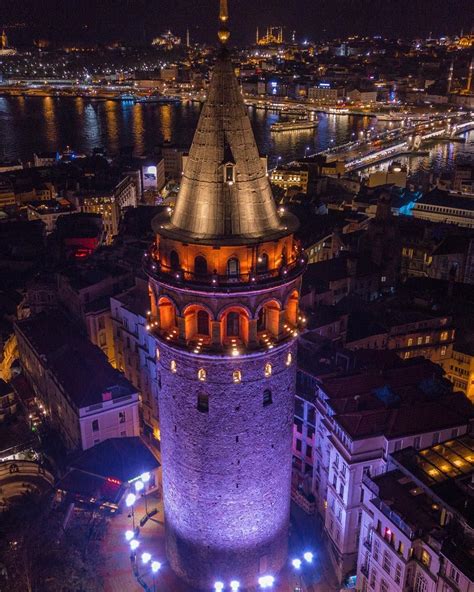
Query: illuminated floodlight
x=234 y=585
x=130 y=499
x=155 y=566
x=218 y=587
x=308 y=556
x=146 y=558
x=296 y=563
x=266 y=581
x=139 y=486
x=145 y=477
x=129 y=534
x=134 y=544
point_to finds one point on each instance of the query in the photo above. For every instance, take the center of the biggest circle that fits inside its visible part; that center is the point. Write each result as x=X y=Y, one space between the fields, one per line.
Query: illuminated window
x=410 y=342
x=289 y=359
x=237 y=376
x=444 y=336
x=202 y=374
x=173 y=366
x=203 y=403
x=419 y=340
x=233 y=324
x=229 y=173
x=268 y=370
x=233 y=268
x=200 y=266
x=174 y=261
x=443 y=351
x=427 y=339
x=425 y=558
x=157 y=354
x=262 y=263
x=267 y=397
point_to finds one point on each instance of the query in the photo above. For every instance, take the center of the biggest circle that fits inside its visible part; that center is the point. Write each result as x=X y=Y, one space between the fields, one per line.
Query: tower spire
x=224 y=32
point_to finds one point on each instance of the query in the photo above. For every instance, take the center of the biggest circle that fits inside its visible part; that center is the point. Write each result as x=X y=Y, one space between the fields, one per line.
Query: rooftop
x=81 y=368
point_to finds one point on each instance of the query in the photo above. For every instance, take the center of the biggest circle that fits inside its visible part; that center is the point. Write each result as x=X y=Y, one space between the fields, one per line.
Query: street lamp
x=266 y=582
x=155 y=566
x=129 y=534
x=296 y=563
x=308 y=557
x=234 y=585
x=146 y=558
x=218 y=587
x=134 y=544
x=129 y=502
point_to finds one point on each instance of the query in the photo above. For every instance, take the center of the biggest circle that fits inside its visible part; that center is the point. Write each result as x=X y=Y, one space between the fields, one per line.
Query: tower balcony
x=228 y=283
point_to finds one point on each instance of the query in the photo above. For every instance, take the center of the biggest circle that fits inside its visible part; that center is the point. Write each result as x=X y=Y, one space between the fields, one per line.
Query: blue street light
x=296 y=563
x=308 y=556
x=218 y=587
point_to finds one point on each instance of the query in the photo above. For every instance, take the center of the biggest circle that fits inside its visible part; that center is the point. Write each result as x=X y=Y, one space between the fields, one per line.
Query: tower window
x=233 y=324
x=268 y=370
x=202 y=374
x=237 y=376
x=157 y=354
x=174 y=261
x=200 y=266
x=233 y=268
x=173 y=366
x=203 y=403
x=289 y=359
x=229 y=173
x=262 y=263
x=202 y=322
x=267 y=397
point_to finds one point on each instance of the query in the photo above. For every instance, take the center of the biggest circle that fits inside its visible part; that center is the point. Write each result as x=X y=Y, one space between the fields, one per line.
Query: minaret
x=188 y=39
x=257 y=36
x=450 y=77
x=3 y=40
x=224 y=279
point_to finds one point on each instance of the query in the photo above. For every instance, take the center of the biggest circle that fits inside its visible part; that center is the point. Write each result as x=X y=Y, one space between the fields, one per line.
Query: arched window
x=202 y=374
x=233 y=324
x=200 y=266
x=289 y=359
x=203 y=403
x=237 y=376
x=229 y=173
x=268 y=370
x=262 y=319
x=173 y=366
x=233 y=267
x=262 y=263
x=267 y=397
x=174 y=261
x=202 y=322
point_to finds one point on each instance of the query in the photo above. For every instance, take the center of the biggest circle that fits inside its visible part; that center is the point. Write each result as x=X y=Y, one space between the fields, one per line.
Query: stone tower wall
x=226 y=472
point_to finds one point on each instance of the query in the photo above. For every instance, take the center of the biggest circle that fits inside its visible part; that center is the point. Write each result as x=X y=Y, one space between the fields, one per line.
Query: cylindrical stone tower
x=224 y=277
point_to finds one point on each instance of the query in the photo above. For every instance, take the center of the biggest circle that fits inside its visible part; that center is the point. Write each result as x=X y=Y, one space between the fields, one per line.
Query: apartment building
x=86 y=400
x=349 y=425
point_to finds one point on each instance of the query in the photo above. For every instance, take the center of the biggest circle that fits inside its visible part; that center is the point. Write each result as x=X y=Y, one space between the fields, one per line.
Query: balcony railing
x=231 y=282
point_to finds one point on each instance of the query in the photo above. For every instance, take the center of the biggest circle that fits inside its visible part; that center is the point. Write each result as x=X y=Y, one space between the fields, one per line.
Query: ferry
x=294 y=125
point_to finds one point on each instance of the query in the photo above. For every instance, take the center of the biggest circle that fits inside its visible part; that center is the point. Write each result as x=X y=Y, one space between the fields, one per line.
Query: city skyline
x=141 y=20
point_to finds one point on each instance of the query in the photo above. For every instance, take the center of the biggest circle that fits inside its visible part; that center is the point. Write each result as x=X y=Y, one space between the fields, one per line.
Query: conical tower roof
x=213 y=204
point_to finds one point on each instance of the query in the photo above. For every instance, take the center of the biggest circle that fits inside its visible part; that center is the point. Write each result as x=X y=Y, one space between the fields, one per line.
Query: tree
x=37 y=555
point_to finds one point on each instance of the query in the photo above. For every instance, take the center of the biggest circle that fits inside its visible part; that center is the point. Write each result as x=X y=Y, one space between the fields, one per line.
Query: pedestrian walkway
x=118 y=574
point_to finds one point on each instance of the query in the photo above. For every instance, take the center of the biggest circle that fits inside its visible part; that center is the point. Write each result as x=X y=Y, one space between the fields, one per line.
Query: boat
x=294 y=125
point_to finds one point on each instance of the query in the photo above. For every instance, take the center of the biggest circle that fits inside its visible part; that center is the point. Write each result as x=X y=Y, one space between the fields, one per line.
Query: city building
x=225 y=274
x=8 y=401
x=348 y=422
x=449 y=208
x=85 y=399
x=290 y=178
x=417 y=523
x=135 y=351
x=48 y=212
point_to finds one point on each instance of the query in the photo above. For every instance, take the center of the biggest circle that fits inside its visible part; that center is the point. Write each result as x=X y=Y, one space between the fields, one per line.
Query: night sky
x=106 y=20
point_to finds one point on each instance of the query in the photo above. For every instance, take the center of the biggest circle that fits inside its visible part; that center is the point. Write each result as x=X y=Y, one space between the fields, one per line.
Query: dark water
x=29 y=124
